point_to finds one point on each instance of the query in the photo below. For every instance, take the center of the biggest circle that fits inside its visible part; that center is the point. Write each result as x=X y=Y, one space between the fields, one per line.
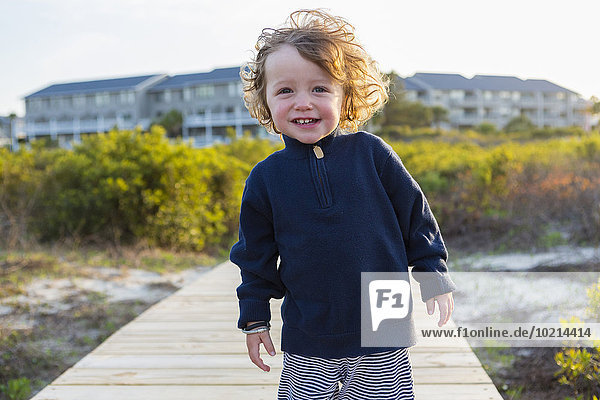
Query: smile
x=304 y=121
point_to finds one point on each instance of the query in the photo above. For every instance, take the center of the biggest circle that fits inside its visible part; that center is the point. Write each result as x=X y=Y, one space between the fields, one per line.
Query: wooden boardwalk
x=188 y=347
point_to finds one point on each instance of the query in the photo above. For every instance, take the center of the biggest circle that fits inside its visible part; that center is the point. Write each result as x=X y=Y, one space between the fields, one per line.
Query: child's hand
x=253 y=342
x=445 y=303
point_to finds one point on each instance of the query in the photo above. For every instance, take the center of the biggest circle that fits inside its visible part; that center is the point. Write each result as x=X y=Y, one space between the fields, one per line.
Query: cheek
x=278 y=112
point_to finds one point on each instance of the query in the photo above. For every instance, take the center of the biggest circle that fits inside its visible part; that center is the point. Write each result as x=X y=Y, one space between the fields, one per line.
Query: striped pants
x=381 y=376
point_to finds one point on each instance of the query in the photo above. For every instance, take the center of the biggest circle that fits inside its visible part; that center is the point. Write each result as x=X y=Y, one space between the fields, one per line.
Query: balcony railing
x=218 y=119
x=74 y=127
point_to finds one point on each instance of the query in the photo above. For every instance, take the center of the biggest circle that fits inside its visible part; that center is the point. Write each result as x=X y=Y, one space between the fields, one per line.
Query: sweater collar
x=297 y=149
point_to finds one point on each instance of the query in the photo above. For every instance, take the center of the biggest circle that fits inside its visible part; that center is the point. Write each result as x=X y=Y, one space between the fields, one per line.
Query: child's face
x=305 y=102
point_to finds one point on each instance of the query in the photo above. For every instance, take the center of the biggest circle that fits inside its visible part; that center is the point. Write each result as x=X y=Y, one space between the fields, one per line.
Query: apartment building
x=65 y=111
x=498 y=99
x=11 y=129
x=211 y=103
x=213 y=108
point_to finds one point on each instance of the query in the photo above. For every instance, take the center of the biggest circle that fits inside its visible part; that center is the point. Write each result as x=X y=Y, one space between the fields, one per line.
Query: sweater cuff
x=253 y=310
x=433 y=284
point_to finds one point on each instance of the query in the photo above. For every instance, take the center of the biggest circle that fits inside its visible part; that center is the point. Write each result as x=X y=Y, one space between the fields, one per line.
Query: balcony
x=75 y=127
x=218 y=119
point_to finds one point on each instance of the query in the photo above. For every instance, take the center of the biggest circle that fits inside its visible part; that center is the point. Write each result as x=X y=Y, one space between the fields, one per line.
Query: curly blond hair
x=328 y=41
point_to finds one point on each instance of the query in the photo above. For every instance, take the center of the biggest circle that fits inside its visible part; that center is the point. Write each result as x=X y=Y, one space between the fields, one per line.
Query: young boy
x=331 y=205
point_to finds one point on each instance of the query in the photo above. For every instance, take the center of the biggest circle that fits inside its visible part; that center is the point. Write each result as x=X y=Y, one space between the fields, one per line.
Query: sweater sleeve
x=256 y=255
x=425 y=248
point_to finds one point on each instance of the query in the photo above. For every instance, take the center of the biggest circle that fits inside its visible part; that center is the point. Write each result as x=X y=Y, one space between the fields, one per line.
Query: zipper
x=320 y=177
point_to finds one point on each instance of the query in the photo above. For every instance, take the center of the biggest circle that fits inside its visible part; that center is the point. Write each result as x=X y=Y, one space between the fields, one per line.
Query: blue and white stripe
x=379 y=376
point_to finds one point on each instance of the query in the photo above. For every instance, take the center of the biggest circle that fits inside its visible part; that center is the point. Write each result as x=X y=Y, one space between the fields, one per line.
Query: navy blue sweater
x=328 y=219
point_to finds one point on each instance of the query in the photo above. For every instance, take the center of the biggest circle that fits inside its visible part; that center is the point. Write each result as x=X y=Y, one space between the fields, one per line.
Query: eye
x=320 y=89
x=284 y=91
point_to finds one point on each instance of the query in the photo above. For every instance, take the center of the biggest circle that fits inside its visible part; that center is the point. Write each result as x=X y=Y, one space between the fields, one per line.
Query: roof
x=104 y=85
x=186 y=80
x=424 y=81
x=441 y=81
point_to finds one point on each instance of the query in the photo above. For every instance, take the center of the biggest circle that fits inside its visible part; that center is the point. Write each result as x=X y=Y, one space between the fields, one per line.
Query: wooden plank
x=188 y=346
x=156 y=392
x=236 y=392
x=456 y=359
x=222 y=347
x=237 y=376
x=456 y=391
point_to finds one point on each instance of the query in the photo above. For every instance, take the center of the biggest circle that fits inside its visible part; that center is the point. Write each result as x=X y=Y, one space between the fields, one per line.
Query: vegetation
x=167 y=203
x=172 y=122
x=522 y=123
x=17 y=389
x=525 y=188
x=580 y=367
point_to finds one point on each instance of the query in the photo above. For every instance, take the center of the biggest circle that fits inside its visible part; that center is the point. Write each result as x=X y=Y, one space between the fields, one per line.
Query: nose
x=303 y=102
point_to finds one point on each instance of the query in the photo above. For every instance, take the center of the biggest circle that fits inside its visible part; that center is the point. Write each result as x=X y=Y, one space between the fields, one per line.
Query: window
x=205 y=91
x=126 y=97
x=528 y=96
x=504 y=111
x=102 y=99
x=167 y=96
x=79 y=101
x=505 y=94
x=516 y=96
x=158 y=97
x=35 y=104
x=456 y=112
x=66 y=101
x=176 y=95
x=457 y=94
x=187 y=94
x=488 y=95
x=560 y=96
x=233 y=89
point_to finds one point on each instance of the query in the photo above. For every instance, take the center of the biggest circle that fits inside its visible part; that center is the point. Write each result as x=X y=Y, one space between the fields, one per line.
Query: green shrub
x=17 y=389
x=486 y=128
x=580 y=367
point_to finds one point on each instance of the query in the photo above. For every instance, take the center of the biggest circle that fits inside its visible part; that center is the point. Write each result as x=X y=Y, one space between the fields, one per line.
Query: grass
x=18 y=268
x=57 y=342
x=35 y=355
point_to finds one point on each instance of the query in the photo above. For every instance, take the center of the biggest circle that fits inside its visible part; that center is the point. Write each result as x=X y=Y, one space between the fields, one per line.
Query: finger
x=253 y=344
x=268 y=343
x=443 y=306
x=430 y=306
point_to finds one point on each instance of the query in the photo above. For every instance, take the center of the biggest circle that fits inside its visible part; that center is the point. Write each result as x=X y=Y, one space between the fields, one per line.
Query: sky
x=55 y=41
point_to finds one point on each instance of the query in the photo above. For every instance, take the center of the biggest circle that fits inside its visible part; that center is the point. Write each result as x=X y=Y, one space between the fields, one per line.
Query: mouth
x=305 y=121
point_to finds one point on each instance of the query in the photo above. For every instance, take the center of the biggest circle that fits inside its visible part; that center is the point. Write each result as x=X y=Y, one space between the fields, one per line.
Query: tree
x=486 y=128
x=595 y=106
x=172 y=122
x=11 y=117
x=522 y=123
x=439 y=115
x=399 y=112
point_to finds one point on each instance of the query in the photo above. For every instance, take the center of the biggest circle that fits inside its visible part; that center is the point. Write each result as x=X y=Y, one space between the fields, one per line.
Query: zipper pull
x=318 y=152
